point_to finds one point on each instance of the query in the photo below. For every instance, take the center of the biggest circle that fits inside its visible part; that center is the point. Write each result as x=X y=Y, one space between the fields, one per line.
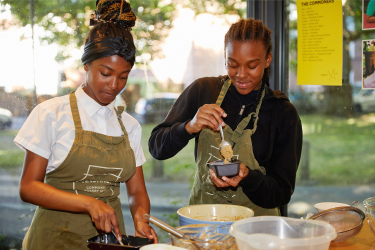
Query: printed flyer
x=319 y=26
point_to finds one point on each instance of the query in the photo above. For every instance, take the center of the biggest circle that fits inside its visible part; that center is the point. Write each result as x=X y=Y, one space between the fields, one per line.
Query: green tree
x=66 y=22
x=235 y=7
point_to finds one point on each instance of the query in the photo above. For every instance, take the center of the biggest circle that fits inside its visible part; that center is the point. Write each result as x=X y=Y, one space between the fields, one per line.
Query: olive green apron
x=95 y=166
x=204 y=191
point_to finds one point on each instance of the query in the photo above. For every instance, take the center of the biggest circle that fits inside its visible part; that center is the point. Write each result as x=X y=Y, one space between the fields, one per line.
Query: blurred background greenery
x=344 y=144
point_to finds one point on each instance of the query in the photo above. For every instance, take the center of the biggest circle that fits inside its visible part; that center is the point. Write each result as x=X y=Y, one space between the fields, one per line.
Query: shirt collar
x=90 y=105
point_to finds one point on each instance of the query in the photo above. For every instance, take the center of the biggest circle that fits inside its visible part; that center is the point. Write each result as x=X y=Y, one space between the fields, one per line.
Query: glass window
x=338 y=125
x=177 y=42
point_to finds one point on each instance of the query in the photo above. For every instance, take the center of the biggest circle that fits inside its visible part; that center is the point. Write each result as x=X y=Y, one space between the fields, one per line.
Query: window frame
x=274 y=13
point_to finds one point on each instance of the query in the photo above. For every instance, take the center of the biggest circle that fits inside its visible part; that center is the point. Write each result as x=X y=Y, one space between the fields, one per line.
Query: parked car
x=5 y=118
x=155 y=109
x=304 y=102
x=364 y=101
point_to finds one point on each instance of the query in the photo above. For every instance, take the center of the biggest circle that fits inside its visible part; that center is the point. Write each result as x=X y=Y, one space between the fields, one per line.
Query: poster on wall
x=319 y=26
x=368 y=59
x=368 y=14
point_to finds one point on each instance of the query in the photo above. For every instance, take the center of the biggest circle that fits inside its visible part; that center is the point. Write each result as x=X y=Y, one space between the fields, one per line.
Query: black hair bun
x=117 y=11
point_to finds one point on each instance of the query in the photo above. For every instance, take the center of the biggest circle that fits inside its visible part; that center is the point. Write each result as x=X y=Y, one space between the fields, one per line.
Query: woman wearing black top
x=262 y=126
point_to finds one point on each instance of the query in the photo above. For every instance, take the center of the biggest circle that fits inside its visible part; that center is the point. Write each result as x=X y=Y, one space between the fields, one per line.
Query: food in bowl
x=213 y=214
x=369 y=205
x=347 y=221
x=210 y=237
x=328 y=205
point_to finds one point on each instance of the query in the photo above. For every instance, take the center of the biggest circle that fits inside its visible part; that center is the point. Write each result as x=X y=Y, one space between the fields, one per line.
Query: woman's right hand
x=104 y=217
x=208 y=115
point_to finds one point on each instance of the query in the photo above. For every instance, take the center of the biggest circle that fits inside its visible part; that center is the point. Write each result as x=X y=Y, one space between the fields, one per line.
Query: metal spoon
x=164 y=226
x=119 y=240
x=223 y=142
x=171 y=230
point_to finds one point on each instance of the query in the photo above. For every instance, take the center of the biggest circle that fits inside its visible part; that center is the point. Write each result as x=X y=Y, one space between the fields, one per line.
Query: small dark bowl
x=229 y=170
x=108 y=241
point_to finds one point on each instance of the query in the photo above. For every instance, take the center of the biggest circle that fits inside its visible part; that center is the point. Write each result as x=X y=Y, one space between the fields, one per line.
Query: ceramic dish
x=161 y=247
x=212 y=214
x=328 y=205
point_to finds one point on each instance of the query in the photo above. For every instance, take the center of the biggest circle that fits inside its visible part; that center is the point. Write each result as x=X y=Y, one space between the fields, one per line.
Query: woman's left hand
x=226 y=182
x=143 y=229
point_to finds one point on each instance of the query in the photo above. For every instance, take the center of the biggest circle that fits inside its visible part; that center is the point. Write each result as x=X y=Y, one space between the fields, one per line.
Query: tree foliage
x=235 y=7
x=66 y=22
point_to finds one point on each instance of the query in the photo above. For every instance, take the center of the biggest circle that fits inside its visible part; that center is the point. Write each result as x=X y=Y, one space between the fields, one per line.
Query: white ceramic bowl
x=161 y=247
x=328 y=205
x=221 y=214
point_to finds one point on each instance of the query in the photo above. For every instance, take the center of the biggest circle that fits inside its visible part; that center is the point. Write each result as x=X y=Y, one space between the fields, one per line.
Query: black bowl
x=229 y=170
x=108 y=241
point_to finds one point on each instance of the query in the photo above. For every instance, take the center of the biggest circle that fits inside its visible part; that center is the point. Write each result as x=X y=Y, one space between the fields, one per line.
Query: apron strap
x=119 y=111
x=77 y=119
x=223 y=92
x=236 y=137
x=75 y=112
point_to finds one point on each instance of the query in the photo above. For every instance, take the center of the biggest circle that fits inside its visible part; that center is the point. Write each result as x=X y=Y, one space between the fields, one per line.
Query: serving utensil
x=171 y=230
x=223 y=142
x=164 y=226
x=119 y=240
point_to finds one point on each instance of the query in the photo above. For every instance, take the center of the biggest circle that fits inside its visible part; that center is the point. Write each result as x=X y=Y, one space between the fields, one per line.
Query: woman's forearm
x=139 y=201
x=41 y=194
x=139 y=204
x=35 y=191
x=170 y=136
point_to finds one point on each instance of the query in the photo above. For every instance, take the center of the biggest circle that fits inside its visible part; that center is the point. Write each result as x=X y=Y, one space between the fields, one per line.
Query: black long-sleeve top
x=277 y=142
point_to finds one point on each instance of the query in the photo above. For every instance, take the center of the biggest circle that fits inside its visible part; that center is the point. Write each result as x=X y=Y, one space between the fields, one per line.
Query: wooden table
x=365 y=240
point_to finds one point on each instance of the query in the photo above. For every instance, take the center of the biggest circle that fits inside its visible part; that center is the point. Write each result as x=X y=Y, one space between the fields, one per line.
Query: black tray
x=108 y=241
x=229 y=170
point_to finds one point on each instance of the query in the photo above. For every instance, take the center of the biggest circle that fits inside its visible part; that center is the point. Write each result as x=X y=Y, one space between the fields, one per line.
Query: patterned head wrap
x=111 y=35
x=109 y=46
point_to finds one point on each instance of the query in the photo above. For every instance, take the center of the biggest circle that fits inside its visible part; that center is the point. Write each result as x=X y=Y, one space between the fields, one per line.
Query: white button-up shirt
x=49 y=130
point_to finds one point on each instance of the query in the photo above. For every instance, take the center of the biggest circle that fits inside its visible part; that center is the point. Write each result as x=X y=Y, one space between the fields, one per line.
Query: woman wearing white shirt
x=79 y=147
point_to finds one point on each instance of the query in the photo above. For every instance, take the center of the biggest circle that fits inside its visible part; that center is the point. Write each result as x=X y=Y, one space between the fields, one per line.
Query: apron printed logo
x=98 y=179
